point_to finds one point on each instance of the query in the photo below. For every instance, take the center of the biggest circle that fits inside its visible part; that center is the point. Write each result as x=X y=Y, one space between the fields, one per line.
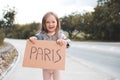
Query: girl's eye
x=47 y=22
x=53 y=22
x=50 y=22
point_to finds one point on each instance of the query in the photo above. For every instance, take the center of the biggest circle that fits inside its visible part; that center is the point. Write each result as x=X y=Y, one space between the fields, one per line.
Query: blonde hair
x=43 y=28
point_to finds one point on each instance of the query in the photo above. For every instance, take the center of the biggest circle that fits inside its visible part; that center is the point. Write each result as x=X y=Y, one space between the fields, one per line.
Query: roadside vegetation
x=8 y=54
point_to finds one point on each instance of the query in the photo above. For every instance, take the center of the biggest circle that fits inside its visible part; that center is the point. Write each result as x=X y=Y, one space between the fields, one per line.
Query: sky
x=33 y=10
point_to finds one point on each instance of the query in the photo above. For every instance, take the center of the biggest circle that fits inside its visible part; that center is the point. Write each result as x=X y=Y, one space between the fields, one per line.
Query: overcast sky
x=33 y=10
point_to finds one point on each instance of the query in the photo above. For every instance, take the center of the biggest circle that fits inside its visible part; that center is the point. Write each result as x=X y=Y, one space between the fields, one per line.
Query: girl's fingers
x=60 y=42
x=32 y=39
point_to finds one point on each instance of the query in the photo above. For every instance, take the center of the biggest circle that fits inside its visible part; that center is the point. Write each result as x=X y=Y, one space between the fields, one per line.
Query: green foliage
x=24 y=31
x=102 y=24
x=6 y=22
x=9 y=17
x=1 y=37
x=76 y=23
x=69 y=23
x=106 y=21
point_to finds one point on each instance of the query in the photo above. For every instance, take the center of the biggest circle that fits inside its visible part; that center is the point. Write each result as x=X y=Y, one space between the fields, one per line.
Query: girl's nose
x=50 y=24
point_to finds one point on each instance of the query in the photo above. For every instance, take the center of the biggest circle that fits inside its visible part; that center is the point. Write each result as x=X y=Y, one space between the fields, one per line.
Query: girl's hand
x=32 y=39
x=61 y=42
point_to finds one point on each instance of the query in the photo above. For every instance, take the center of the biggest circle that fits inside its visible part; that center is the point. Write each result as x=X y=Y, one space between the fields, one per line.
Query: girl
x=50 y=30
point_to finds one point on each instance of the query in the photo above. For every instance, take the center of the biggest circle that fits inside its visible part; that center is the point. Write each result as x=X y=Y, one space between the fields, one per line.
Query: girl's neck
x=51 y=33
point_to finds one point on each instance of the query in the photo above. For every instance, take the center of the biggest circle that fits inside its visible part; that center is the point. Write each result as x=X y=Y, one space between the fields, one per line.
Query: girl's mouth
x=51 y=27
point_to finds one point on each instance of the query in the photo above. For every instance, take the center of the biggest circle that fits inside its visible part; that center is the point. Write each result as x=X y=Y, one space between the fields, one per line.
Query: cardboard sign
x=44 y=54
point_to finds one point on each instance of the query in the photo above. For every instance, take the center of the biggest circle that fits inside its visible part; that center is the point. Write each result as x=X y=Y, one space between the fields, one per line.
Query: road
x=18 y=71
x=104 y=56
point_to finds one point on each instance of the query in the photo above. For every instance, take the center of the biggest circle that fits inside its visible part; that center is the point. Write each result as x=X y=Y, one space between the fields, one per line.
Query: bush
x=1 y=37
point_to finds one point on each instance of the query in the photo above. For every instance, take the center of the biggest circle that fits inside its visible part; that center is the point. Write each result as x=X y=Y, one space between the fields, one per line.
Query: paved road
x=103 y=55
x=18 y=71
x=75 y=69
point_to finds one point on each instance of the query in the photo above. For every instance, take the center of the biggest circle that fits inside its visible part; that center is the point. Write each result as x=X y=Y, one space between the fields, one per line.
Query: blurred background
x=81 y=20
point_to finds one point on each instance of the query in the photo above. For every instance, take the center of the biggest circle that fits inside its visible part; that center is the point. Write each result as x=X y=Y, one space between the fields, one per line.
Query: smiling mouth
x=51 y=27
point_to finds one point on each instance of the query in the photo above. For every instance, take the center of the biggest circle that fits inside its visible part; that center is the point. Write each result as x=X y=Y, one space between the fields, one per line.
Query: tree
x=67 y=25
x=24 y=31
x=76 y=23
x=106 y=21
x=72 y=24
x=8 y=20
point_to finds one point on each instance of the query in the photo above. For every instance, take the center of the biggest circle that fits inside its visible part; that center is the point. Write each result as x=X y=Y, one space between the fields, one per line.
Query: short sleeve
x=39 y=36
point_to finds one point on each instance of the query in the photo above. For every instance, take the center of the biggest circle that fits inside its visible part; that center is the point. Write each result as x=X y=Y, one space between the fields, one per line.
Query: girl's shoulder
x=40 y=35
x=61 y=34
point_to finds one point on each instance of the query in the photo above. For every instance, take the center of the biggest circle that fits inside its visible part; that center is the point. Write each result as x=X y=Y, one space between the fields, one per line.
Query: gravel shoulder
x=8 y=55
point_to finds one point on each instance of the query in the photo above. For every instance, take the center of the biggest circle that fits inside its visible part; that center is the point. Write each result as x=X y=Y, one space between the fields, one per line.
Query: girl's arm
x=63 y=39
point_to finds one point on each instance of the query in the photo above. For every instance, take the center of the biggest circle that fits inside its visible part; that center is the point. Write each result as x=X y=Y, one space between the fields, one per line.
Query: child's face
x=51 y=24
